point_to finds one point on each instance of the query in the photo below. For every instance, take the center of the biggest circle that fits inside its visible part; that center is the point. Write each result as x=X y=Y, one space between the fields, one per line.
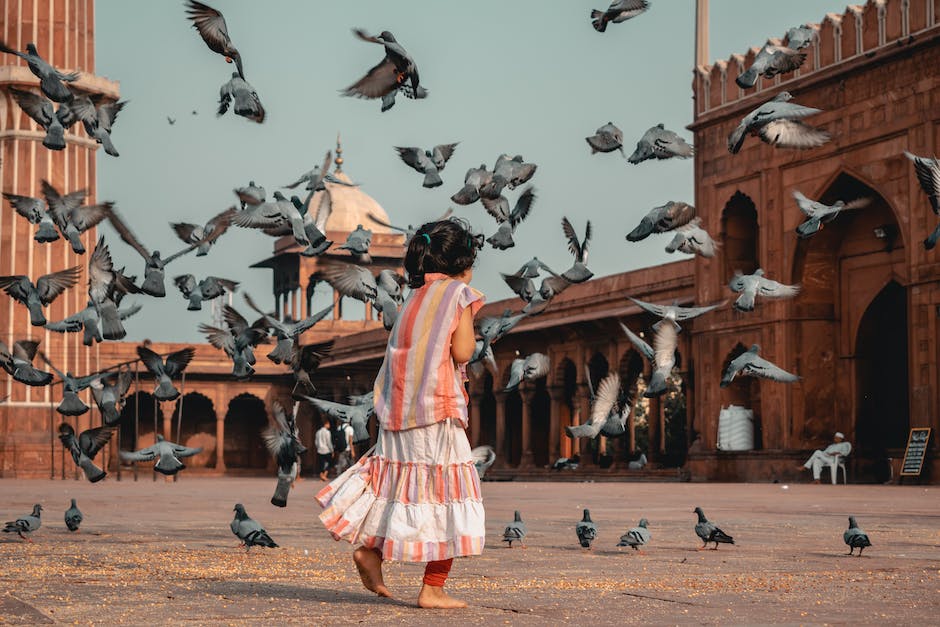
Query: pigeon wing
x=792 y=134
x=51 y=285
x=176 y=362
x=760 y=367
x=378 y=81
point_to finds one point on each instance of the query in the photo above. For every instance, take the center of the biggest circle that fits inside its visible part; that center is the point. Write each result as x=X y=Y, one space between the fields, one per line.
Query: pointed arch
x=740 y=235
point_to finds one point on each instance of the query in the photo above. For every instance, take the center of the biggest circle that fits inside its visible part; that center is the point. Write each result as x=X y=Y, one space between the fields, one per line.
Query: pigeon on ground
x=71 y=404
x=817 y=214
x=799 y=37
x=769 y=62
x=586 y=530
x=508 y=172
x=165 y=452
x=47 y=288
x=752 y=285
x=356 y=415
x=164 y=371
x=207 y=289
x=662 y=356
x=618 y=11
x=483 y=457
x=659 y=143
x=396 y=69
x=673 y=313
x=661 y=219
x=283 y=442
x=106 y=288
x=19 y=363
x=193 y=233
x=26 y=524
x=506 y=220
x=71 y=217
x=53 y=121
x=578 y=272
x=73 y=517
x=85 y=447
x=287 y=331
x=97 y=118
x=36 y=211
x=211 y=26
x=777 y=122
x=357 y=243
x=473 y=181
x=693 y=239
x=637 y=536
x=305 y=361
x=855 y=538
x=428 y=162
x=709 y=532
x=749 y=364
x=247 y=103
x=603 y=410
x=109 y=392
x=51 y=80
x=249 y=531
x=515 y=531
x=238 y=340
x=607 y=138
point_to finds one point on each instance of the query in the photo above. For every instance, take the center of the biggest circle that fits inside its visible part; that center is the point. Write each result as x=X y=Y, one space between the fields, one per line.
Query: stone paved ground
x=163 y=553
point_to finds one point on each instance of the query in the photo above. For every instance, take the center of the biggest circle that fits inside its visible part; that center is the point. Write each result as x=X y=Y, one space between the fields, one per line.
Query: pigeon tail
x=282 y=352
x=722 y=537
x=46 y=233
x=582 y=431
x=467 y=195
x=745 y=302
x=657 y=385
x=748 y=79
x=109 y=413
x=111 y=327
x=54 y=89
x=598 y=20
x=195 y=302
x=169 y=466
x=104 y=139
x=282 y=490
x=642 y=231
x=259 y=538
x=36 y=317
x=165 y=391
x=432 y=179
x=71 y=404
x=92 y=472
x=55 y=138
x=75 y=240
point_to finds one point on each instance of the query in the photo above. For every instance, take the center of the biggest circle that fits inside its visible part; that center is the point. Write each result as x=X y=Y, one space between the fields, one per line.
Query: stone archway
x=198 y=428
x=137 y=421
x=740 y=235
x=244 y=421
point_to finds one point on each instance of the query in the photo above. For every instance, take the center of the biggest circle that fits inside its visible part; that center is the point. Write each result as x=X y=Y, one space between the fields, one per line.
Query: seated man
x=828 y=457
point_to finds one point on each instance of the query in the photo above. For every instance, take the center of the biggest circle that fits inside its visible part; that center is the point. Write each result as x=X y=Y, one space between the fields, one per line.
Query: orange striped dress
x=417 y=498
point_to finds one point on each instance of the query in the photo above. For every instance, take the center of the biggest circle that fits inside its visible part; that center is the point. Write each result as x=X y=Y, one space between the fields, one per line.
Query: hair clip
x=426 y=237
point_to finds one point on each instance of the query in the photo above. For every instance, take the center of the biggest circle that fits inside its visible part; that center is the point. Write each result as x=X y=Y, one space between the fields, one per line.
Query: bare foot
x=432 y=597
x=369 y=565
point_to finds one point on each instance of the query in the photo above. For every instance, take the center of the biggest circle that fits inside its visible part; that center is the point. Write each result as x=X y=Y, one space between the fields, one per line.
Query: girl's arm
x=463 y=342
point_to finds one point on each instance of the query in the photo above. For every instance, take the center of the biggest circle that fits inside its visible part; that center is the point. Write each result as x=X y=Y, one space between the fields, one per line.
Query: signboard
x=916 y=450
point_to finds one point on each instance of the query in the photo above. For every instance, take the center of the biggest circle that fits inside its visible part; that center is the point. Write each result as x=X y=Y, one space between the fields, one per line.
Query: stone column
x=527 y=392
x=501 y=455
x=337 y=306
x=220 y=403
x=555 y=393
x=476 y=398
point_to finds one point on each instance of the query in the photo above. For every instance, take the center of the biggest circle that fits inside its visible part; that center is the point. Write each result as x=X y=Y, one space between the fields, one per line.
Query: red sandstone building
x=863 y=334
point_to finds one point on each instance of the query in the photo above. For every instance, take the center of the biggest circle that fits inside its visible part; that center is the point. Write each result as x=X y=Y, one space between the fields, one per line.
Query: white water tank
x=735 y=429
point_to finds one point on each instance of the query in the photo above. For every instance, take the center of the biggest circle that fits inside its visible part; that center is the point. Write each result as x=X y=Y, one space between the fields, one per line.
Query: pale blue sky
x=522 y=77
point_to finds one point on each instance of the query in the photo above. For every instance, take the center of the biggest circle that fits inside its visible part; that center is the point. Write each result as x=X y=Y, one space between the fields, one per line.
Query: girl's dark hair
x=447 y=246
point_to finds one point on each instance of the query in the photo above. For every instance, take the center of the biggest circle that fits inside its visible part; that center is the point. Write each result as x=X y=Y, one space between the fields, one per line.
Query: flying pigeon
x=172 y=121
x=85 y=447
x=47 y=288
x=165 y=452
x=249 y=531
x=661 y=219
x=483 y=359
x=515 y=374
x=88 y=321
x=508 y=221
x=493 y=328
x=19 y=363
x=71 y=217
x=709 y=532
x=749 y=364
x=427 y=162
x=247 y=103
x=238 y=340
x=109 y=392
x=483 y=457
x=752 y=285
x=36 y=211
x=817 y=213
x=51 y=80
x=586 y=530
x=637 y=536
x=305 y=361
x=193 y=233
x=97 y=118
x=250 y=194
x=618 y=11
x=769 y=62
x=283 y=441
x=603 y=410
x=673 y=313
x=26 y=524
x=53 y=121
x=164 y=371
x=578 y=272
x=662 y=356
x=659 y=143
x=693 y=239
x=356 y=415
x=515 y=531
x=207 y=289
x=287 y=331
x=317 y=178
x=800 y=37
x=277 y=217
x=473 y=181
x=71 y=404
x=778 y=123
x=928 y=175
x=607 y=138
x=508 y=172
x=396 y=69
x=383 y=290
x=211 y=26
x=73 y=517
x=106 y=287
x=855 y=538
x=933 y=238
x=388 y=100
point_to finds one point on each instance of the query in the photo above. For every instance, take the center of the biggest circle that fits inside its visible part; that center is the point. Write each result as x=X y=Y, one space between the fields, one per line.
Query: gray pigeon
x=383 y=290
x=473 y=181
x=19 y=363
x=42 y=111
x=659 y=143
x=36 y=211
x=752 y=285
x=709 y=532
x=530 y=269
x=249 y=531
x=71 y=218
x=207 y=289
x=287 y=331
x=800 y=37
x=778 y=123
x=393 y=71
x=164 y=371
x=85 y=447
x=237 y=340
x=357 y=243
x=524 y=288
x=586 y=530
x=749 y=364
x=25 y=524
x=277 y=217
x=71 y=404
x=388 y=100
x=356 y=415
x=578 y=272
x=817 y=214
x=193 y=233
x=693 y=240
x=928 y=175
x=47 y=288
x=607 y=138
x=933 y=238
x=106 y=287
x=247 y=103
x=515 y=374
x=508 y=220
x=769 y=62
x=211 y=26
x=165 y=452
x=483 y=359
x=109 y=392
x=661 y=219
x=493 y=328
x=673 y=313
x=508 y=172
x=855 y=538
x=618 y=11
x=97 y=118
x=317 y=178
x=314 y=222
x=637 y=536
x=73 y=517
x=51 y=80
x=250 y=195
x=662 y=356
x=515 y=531
x=603 y=409
x=283 y=442
x=483 y=457
x=427 y=162
x=306 y=360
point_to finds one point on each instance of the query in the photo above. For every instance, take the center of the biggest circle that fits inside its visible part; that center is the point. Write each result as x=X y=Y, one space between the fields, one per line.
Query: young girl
x=417 y=498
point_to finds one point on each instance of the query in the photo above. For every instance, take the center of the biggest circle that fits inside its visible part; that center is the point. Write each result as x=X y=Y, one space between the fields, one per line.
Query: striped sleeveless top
x=418 y=383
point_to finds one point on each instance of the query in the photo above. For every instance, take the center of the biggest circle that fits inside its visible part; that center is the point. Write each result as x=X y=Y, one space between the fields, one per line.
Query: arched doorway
x=244 y=422
x=569 y=392
x=882 y=417
x=198 y=428
x=740 y=235
x=137 y=421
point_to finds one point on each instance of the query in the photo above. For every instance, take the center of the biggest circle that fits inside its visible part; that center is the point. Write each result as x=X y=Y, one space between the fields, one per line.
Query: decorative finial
x=339 y=155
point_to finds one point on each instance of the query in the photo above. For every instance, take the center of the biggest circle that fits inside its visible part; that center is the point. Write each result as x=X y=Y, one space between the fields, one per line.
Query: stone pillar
x=527 y=392
x=295 y=304
x=476 y=398
x=305 y=302
x=220 y=403
x=555 y=393
x=337 y=306
x=277 y=306
x=501 y=454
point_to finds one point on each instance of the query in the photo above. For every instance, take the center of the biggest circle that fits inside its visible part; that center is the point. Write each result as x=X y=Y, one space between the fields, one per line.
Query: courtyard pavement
x=162 y=553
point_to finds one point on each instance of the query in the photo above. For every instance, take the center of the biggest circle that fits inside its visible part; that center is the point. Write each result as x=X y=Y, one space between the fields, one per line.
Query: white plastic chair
x=834 y=470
